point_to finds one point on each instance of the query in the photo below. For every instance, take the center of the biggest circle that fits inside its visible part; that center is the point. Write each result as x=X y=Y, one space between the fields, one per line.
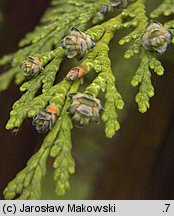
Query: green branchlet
x=166 y=8
x=137 y=14
x=143 y=77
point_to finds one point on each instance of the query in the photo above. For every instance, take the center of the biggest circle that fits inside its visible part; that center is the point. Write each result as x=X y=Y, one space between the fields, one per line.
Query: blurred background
x=137 y=163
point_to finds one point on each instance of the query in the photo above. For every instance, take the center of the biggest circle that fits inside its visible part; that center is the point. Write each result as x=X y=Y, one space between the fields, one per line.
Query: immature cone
x=84 y=108
x=77 y=44
x=44 y=121
x=31 y=66
x=156 y=37
x=120 y=4
x=104 y=9
x=75 y=73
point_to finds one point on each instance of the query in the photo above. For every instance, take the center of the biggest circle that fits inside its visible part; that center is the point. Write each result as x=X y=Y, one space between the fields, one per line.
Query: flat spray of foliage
x=44 y=48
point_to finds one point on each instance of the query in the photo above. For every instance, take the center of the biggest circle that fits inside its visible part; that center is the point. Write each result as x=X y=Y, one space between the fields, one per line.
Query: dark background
x=138 y=163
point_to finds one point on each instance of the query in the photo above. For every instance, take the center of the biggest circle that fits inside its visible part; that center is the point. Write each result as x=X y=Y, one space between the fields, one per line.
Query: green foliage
x=44 y=43
x=143 y=77
x=166 y=8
